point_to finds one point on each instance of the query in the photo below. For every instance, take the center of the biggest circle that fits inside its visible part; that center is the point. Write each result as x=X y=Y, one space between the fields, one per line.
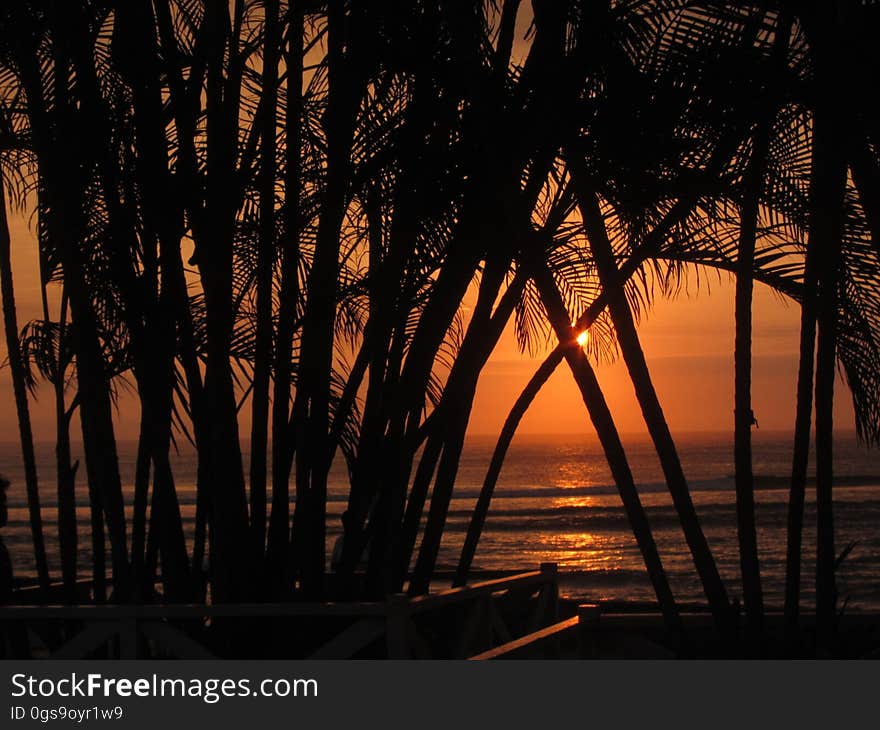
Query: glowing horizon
x=688 y=342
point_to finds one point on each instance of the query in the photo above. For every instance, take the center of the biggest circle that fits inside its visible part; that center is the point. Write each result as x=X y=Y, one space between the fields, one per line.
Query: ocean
x=556 y=502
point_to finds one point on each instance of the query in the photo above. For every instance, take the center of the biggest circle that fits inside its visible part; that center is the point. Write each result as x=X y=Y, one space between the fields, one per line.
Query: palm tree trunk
x=829 y=207
x=163 y=215
x=447 y=469
x=62 y=192
x=506 y=34
x=282 y=446
x=266 y=254
x=603 y=422
x=627 y=337
x=743 y=416
x=387 y=449
x=822 y=271
x=141 y=497
x=19 y=387
x=801 y=453
x=678 y=212
x=98 y=540
x=316 y=353
x=508 y=430
x=68 y=537
x=454 y=410
x=170 y=538
x=230 y=567
x=384 y=267
x=826 y=589
x=70 y=26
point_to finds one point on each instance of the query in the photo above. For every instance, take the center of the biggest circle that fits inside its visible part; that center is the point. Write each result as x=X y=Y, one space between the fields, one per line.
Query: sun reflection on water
x=575 y=502
x=582 y=551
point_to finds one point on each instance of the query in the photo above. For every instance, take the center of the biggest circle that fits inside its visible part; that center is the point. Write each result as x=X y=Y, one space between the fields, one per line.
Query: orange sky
x=688 y=343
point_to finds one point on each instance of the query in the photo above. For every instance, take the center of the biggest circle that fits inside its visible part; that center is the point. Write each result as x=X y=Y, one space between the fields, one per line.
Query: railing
x=593 y=634
x=459 y=622
x=546 y=643
x=452 y=623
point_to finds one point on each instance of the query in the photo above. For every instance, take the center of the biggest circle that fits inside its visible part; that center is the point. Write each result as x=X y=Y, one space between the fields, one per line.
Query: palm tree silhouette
x=294 y=203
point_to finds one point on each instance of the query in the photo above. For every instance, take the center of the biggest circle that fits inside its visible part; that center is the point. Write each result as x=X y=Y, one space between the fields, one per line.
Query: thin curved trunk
x=68 y=537
x=652 y=411
x=62 y=185
x=141 y=497
x=483 y=333
x=170 y=538
x=148 y=310
x=743 y=416
x=606 y=430
x=508 y=430
x=163 y=206
x=826 y=589
x=165 y=508
x=418 y=494
x=312 y=400
x=19 y=387
x=451 y=284
x=230 y=567
x=651 y=245
x=822 y=269
x=98 y=541
x=277 y=554
x=266 y=255
x=828 y=206
x=801 y=453
x=372 y=357
x=447 y=469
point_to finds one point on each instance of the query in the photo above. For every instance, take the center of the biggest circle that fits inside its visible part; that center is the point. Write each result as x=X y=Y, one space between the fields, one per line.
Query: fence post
x=588 y=630
x=550 y=571
x=395 y=631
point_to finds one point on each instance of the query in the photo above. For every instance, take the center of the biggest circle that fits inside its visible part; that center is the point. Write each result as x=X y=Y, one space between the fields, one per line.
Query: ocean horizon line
x=757 y=434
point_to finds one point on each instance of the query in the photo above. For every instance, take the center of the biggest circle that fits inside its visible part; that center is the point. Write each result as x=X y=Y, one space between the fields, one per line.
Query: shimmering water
x=556 y=502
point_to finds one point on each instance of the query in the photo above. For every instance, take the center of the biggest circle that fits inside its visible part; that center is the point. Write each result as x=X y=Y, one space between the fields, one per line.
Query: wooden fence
x=453 y=623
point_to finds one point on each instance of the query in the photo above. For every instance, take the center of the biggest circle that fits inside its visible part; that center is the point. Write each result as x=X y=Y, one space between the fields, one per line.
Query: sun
x=583 y=338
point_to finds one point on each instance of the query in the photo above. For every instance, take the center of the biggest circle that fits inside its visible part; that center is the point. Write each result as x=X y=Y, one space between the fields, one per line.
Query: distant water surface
x=555 y=501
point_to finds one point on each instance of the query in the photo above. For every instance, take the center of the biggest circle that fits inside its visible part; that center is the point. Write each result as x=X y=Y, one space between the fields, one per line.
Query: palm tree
x=416 y=160
x=753 y=179
x=627 y=337
x=827 y=197
x=289 y=295
x=840 y=261
x=50 y=118
x=46 y=347
x=17 y=369
x=603 y=422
